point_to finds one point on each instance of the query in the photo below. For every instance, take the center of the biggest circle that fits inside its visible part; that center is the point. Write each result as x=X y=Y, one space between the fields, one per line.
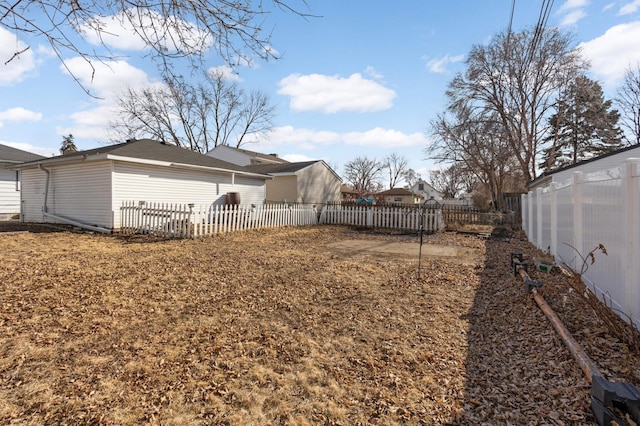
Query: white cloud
x=384 y=138
x=309 y=139
x=572 y=18
x=119 y=32
x=613 y=52
x=105 y=78
x=373 y=73
x=19 y=67
x=19 y=114
x=226 y=71
x=439 y=65
x=629 y=8
x=573 y=11
x=331 y=94
x=573 y=4
x=295 y=158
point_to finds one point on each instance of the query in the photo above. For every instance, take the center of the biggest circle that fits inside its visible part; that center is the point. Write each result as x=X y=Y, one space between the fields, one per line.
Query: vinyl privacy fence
x=190 y=221
x=590 y=209
x=408 y=219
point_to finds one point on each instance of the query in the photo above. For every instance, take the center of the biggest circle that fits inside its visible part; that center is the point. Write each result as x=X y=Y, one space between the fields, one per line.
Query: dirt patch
x=408 y=251
x=282 y=327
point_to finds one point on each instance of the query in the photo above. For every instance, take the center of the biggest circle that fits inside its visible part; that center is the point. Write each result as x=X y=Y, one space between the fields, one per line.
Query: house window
x=397 y=199
x=17 y=180
x=421 y=187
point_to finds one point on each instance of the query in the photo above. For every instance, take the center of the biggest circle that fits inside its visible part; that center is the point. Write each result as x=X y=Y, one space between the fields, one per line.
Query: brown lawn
x=282 y=327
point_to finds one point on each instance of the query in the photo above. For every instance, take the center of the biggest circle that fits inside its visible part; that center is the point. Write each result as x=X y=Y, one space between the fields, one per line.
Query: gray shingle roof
x=281 y=167
x=14 y=155
x=147 y=149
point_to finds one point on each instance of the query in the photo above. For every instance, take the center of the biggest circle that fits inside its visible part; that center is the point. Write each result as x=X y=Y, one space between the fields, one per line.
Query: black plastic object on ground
x=612 y=401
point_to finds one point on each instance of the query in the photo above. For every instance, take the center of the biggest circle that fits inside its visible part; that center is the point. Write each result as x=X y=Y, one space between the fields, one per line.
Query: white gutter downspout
x=46 y=188
x=46 y=213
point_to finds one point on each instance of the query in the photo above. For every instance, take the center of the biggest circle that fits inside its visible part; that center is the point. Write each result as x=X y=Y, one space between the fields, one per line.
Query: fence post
x=369 y=217
x=530 y=215
x=631 y=265
x=578 y=230
x=539 y=218
x=553 y=188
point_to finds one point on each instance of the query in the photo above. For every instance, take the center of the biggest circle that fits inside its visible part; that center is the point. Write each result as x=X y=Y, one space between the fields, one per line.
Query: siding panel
x=9 y=196
x=138 y=182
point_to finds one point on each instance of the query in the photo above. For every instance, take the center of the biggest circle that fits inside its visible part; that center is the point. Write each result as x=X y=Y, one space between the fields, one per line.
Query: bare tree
x=476 y=143
x=201 y=117
x=397 y=167
x=628 y=100
x=518 y=80
x=363 y=174
x=453 y=180
x=169 y=29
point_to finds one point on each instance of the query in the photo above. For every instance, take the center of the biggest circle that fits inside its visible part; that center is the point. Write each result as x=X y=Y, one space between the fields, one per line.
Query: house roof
x=12 y=155
x=396 y=191
x=146 y=151
x=281 y=168
x=287 y=168
x=268 y=157
x=345 y=189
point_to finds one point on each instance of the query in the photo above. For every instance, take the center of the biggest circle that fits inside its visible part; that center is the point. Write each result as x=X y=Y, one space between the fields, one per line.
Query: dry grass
x=272 y=327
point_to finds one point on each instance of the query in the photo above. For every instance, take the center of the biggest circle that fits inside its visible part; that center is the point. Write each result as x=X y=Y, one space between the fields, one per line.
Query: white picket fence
x=409 y=219
x=190 y=221
x=590 y=209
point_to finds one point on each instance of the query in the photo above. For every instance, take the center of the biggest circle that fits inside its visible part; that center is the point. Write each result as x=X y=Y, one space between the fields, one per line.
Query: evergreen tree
x=584 y=126
x=67 y=146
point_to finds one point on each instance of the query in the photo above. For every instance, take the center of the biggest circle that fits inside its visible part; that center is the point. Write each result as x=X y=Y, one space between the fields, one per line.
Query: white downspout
x=45 y=209
x=46 y=187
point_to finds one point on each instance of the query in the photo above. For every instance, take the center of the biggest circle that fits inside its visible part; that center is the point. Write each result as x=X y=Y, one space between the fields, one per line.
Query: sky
x=358 y=79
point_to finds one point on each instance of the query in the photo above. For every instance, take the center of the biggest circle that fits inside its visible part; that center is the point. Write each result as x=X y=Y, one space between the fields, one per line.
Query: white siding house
x=89 y=187
x=10 y=179
x=243 y=157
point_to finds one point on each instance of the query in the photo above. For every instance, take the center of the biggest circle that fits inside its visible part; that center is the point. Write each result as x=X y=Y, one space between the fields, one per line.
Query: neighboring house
x=243 y=157
x=10 y=179
x=347 y=194
x=307 y=182
x=398 y=197
x=603 y=162
x=425 y=191
x=89 y=187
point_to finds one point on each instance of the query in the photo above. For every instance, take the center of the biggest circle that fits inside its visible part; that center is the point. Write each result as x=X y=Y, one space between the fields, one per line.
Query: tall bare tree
x=198 y=117
x=397 y=168
x=475 y=141
x=628 y=100
x=169 y=29
x=364 y=174
x=517 y=77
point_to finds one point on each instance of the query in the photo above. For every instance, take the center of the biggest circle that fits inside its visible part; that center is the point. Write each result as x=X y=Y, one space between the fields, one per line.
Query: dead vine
x=625 y=331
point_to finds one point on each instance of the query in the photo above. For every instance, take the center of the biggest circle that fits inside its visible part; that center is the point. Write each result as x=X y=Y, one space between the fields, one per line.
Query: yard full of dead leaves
x=275 y=327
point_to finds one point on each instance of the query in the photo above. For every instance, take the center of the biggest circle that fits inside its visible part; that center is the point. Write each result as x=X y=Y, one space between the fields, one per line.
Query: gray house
x=89 y=187
x=10 y=179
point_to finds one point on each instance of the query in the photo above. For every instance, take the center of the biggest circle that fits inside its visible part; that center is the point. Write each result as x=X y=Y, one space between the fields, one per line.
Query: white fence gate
x=410 y=219
x=591 y=209
x=189 y=221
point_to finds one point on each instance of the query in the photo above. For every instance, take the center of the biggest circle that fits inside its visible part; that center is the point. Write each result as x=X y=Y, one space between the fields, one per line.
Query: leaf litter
x=273 y=327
